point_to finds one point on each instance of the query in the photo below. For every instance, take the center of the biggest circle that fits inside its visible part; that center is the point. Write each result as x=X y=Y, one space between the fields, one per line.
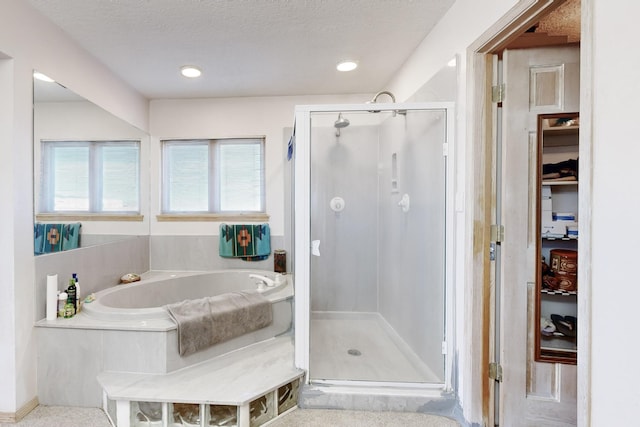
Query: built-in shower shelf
x=254 y=384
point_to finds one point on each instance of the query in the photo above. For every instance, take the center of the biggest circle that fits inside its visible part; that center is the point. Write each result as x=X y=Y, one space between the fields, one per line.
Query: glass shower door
x=377 y=230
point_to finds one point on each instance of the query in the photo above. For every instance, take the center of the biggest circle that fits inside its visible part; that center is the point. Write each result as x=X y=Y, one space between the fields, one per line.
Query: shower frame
x=302 y=243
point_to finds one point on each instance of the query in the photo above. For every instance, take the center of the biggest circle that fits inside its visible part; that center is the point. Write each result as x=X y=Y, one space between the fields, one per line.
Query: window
x=213 y=176
x=90 y=177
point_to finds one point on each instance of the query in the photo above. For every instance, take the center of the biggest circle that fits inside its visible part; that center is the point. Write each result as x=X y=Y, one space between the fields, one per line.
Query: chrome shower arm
x=383 y=92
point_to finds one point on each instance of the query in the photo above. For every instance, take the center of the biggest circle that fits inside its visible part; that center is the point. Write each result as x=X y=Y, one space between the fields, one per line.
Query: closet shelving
x=556 y=225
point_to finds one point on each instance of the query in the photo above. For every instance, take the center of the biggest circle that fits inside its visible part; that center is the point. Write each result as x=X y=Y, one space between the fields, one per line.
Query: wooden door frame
x=480 y=136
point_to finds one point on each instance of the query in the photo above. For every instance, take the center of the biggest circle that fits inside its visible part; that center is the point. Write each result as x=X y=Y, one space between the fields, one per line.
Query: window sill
x=212 y=217
x=88 y=217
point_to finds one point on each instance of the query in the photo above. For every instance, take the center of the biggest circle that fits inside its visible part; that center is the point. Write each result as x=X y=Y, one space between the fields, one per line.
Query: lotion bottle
x=78 y=297
x=62 y=300
x=71 y=294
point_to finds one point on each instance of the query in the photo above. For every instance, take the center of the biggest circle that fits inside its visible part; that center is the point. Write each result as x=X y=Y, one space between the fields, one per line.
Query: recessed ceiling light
x=42 y=77
x=347 y=65
x=190 y=71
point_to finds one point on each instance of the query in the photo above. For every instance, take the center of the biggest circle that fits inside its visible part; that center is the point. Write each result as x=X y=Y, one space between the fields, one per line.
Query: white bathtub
x=145 y=300
x=127 y=329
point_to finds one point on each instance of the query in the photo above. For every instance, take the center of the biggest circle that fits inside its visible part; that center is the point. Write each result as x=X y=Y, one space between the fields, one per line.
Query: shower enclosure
x=371 y=255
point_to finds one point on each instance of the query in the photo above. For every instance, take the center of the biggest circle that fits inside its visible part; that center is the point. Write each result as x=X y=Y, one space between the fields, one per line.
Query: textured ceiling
x=565 y=20
x=248 y=47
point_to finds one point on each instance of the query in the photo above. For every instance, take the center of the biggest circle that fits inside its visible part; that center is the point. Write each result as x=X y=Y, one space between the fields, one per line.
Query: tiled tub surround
x=72 y=352
x=104 y=259
x=99 y=266
x=200 y=253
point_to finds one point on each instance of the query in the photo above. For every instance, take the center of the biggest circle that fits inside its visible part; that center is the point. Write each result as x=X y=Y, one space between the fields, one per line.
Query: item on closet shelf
x=565 y=325
x=573 y=321
x=554 y=229
x=129 y=278
x=566 y=121
x=544 y=266
x=562 y=171
x=549 y=282
x=547 y=327
x=564 y=216
x=564 y=260
x=567 y=281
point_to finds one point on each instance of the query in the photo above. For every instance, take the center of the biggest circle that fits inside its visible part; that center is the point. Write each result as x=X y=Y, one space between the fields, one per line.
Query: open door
x=537 y=81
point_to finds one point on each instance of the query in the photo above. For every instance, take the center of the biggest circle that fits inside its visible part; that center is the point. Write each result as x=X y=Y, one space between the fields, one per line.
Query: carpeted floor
x=340 y=418
x=54 y=416
x=62 y=416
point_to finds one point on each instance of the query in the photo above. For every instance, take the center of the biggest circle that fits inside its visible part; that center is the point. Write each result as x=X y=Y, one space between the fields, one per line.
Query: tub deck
x=257 y=384
x=231 y=379
x=86 y=320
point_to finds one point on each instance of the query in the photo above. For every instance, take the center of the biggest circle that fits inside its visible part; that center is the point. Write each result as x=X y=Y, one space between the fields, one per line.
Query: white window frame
x=47 y=193
x=214 y=183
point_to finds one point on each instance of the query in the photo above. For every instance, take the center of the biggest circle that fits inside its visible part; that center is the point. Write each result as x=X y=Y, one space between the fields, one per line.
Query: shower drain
x=354 y=352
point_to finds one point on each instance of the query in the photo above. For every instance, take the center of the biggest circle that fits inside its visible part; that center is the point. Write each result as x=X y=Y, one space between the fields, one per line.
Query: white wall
x=615 y=89
x=7 y=230
x=33 y=43
x=463 y=24
x=230 y=117
x=612 y=90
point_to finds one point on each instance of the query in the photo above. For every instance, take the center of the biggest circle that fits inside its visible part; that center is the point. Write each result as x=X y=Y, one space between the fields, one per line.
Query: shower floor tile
x=358 y=346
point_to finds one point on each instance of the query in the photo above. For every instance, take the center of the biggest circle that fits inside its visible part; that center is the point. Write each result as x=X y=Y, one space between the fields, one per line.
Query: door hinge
x=495 y=371
x=497 y=93
x=445 y=149
x=497 y=233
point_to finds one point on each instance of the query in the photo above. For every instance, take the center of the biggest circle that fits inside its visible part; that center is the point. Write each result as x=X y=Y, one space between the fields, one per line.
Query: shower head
x=340 y=123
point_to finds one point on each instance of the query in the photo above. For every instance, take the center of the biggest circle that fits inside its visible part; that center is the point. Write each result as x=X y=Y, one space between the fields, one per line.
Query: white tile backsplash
x=98 y=267
x=200 y=253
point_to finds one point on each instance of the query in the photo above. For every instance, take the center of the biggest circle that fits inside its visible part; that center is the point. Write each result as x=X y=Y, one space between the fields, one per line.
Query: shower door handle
x=315 y=247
